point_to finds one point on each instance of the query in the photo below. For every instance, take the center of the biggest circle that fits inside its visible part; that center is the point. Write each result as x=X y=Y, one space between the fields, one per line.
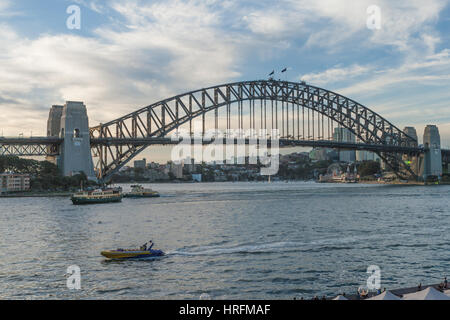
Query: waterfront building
x=176 y=170
x=14 y=182
x=189 y=165
x=140 y=163
x=323 y=154
x=153 y=165
x=362 y=155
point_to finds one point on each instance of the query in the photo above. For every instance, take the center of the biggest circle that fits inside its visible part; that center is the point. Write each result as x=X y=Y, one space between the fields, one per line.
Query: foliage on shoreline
x=45 y=176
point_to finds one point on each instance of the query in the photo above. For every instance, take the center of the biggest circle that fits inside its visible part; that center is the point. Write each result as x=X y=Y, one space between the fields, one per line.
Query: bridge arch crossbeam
x=159 y=119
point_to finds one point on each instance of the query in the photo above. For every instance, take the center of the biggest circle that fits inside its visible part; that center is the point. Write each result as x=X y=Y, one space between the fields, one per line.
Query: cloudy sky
x=130 y=53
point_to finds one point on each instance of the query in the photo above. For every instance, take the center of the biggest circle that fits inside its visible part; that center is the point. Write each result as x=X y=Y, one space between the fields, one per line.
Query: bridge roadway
x=36 y=146
x=33 y=146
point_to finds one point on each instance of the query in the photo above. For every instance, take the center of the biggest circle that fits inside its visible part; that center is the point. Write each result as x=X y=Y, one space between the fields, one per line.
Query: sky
x=130 y=53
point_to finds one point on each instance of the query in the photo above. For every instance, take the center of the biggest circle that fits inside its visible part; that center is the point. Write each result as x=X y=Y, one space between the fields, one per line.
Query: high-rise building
x=345 y=135
x=362 y=155
x=176 y=170
x=140 y=163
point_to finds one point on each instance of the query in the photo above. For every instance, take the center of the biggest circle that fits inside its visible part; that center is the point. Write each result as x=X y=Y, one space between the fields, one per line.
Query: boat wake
x=280 y=247
x=215 y=250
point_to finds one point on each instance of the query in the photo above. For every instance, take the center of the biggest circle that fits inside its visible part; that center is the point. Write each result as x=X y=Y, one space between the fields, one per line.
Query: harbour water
x=228 y=240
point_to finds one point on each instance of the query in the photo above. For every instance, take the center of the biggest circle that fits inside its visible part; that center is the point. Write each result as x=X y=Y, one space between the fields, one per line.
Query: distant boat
x=97 y=196
x=138 y=191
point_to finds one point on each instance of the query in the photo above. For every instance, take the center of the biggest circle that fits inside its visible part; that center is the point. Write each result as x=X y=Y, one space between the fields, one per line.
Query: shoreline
x=37 y=195
x=68 y=194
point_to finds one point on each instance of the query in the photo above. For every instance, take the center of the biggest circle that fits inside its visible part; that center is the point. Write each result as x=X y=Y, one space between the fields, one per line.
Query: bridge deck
x=45 y=141
x=30 y=140
x=282 y=143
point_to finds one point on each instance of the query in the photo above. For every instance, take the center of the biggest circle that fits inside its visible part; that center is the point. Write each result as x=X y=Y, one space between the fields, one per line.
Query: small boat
x=97 y=196
x=132 y=253
x=138 y=191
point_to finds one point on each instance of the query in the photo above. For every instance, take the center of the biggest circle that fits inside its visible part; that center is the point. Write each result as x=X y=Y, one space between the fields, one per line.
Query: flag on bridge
x=284 y=70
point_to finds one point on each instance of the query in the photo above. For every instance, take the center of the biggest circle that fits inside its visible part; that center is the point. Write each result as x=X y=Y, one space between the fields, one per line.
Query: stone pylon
x=73 y=126
x=54 y=128
x=432 y=164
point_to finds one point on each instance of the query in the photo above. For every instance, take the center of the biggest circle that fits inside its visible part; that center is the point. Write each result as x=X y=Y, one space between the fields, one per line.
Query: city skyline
x=234 y=157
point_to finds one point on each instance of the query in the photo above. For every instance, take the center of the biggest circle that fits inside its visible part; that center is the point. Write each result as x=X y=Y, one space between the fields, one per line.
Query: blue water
x=229 y=240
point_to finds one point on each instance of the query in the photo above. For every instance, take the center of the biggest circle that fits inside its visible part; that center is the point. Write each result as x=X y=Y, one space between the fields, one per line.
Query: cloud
x=266 y=23
x=4 y=4
x=332 y=24
x=175 y=46
x=336 y=74
x=94 y=5
x=432 y=70
x=151 y=50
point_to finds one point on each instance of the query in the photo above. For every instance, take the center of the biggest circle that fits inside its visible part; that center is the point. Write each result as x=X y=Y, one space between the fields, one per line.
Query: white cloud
x=331 y=24
x=175 y=47
x=266 y=23
x=153 y=50
x=94 y=5
x=4 y=4
x=336 y=74
x=431 y=70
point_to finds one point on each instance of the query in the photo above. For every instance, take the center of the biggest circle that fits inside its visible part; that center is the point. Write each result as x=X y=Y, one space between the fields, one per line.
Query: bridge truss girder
x=18 y=149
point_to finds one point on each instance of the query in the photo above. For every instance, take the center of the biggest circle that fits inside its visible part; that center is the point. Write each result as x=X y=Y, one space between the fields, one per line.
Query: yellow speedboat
x=143 y=252
x=131 y=253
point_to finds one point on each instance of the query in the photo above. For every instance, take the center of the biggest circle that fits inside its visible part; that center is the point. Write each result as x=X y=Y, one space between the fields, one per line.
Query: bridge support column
x=76 y=154
x=432 y=162
x=53 y=129
x=412 y=160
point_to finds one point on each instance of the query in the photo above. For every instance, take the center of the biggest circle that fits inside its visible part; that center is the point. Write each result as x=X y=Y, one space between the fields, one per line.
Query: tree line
x=45 y=176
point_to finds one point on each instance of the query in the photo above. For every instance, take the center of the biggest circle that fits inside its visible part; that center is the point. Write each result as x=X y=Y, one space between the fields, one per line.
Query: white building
x=14 y=182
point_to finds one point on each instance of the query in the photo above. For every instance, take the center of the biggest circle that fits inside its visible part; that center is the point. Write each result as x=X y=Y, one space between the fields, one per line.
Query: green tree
x=369 y=168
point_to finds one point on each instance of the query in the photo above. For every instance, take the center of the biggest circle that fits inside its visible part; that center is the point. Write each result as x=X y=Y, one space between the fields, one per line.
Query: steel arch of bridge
x=160 y=118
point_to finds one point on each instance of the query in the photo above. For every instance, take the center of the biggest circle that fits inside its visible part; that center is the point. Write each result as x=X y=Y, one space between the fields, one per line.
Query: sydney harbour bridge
x=304 y=115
